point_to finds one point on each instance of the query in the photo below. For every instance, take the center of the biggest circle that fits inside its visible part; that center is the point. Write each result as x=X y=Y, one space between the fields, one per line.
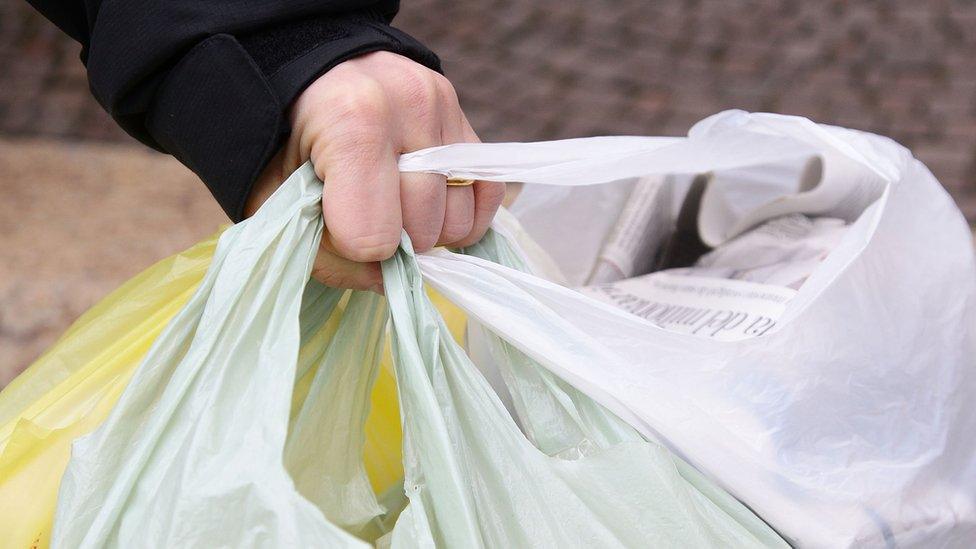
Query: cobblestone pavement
x=525 y=70
x=55 y=260
x=543 y=69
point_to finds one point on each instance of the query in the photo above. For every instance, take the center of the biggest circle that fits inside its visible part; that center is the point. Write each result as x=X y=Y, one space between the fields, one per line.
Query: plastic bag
x=474 y=480
x=73 y=386
x=197 y=452
x=192 y=454
x=850 y=423
x=562 y=421
x=71 y=389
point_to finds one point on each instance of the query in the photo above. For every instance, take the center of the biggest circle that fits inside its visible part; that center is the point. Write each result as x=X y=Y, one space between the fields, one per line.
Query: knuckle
x=358 y=145
x=423 y=239
x=456 y=228
x=472 y=236
x=443 y=84
x=363 y=100
x=370 y=246
x=446 y=91
x=491 y=195
x=420 y=92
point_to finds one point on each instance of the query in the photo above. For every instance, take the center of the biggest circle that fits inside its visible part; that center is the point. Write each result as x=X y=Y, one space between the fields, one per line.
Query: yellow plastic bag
x=70 y=390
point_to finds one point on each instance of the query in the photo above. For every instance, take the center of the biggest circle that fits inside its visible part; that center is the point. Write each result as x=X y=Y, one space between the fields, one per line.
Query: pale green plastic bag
x=204 y=449
x=192 y=454
x=561 y=420
x=324 y=450
x=481 y=483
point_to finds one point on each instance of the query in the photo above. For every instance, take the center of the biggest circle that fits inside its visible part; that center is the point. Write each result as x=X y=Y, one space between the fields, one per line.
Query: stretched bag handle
x=600 y=160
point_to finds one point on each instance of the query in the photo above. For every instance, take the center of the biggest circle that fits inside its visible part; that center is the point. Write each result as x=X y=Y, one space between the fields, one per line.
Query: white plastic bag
x=474 y=480
x=562 y=421
x=849 y=424
x=203 y=448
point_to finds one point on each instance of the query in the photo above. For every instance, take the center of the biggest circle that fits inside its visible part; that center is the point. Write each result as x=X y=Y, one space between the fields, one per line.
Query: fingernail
x=378 y=288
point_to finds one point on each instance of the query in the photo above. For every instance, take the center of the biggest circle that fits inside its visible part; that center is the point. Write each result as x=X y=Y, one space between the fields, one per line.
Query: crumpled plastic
x=69 y=390
x=850 y=423
x=198 y=449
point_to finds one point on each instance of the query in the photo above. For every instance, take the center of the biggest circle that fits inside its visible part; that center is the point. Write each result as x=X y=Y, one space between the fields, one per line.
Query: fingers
x=486 y=197
x=458 y=215
x=422 y=201
x=356 y=159
x=338 y=272
x=431 y=211
x=353 y=123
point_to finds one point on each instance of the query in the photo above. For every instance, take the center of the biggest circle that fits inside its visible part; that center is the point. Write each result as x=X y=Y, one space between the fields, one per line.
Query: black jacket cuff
x=294 y=54
x=222 y=109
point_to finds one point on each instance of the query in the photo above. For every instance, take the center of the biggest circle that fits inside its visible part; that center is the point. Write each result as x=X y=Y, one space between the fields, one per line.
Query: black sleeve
x=210 y=81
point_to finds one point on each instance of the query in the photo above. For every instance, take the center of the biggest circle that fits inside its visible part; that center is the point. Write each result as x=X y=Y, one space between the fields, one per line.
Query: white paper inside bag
x=851 y=423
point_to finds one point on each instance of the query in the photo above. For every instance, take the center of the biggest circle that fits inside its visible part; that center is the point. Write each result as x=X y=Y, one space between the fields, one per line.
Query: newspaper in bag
x=849 y=422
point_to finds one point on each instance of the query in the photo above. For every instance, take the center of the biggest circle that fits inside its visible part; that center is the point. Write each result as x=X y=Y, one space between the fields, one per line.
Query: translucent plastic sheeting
x=198 y=450
x=850 y=423
x=69 y=390
x=474 y=480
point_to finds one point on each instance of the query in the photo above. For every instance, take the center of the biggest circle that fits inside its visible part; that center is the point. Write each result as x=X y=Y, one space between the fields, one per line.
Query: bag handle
x=601 y=160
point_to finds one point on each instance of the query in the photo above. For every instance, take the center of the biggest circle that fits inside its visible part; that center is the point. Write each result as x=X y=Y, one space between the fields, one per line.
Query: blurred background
x=83 y=207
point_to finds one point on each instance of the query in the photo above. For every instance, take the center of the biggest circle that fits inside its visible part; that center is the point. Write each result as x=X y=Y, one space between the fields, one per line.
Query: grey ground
x=82 y=208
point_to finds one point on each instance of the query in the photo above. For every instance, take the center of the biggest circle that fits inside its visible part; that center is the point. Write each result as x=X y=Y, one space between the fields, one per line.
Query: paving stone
x=56 y=259
x=546 y=69
x=900 y=67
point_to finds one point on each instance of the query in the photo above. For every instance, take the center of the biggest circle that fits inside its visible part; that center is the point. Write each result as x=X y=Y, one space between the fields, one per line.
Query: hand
x=353 y=122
